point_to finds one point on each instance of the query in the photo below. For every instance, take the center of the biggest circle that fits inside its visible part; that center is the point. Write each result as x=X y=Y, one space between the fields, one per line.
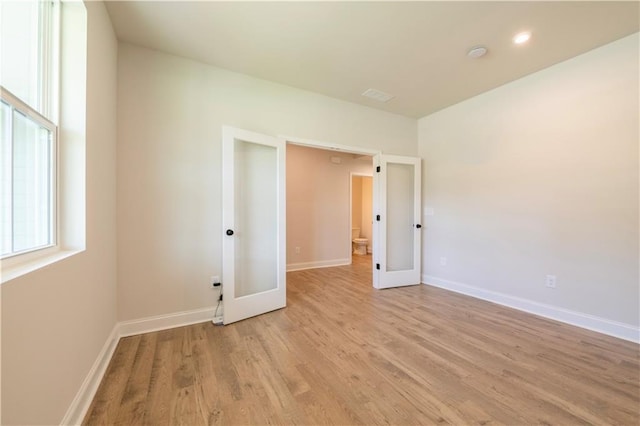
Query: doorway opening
x=361 y=199
x=256 y=206
x=319 y=208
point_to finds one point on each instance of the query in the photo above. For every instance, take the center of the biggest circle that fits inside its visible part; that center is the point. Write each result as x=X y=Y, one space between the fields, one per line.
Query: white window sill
x=13 y=268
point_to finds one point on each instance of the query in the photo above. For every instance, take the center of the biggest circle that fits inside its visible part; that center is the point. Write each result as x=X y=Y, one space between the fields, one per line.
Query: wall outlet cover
x=550 y=281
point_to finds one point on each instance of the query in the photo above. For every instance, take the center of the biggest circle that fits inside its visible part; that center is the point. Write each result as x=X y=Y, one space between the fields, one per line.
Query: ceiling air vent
x=377 y=95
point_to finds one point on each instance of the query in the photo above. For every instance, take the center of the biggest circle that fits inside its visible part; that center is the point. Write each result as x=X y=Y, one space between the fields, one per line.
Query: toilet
x=359 y=244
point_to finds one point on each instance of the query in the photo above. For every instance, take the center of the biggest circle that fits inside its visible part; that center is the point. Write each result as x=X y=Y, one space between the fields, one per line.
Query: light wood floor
x=343 y=353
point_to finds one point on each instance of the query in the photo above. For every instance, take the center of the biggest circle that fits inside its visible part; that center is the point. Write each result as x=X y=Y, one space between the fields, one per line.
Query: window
x=28 y=135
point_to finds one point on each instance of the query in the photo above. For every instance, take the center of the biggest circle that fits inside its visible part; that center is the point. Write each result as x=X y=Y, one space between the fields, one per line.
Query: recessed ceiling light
x=522 y=37
x=378 y=95
x=477 y=52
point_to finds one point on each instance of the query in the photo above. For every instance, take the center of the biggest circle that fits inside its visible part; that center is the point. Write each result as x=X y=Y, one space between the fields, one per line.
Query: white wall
x=318 y=206
x=170 y=113
x=538 y=177
x=56 y=320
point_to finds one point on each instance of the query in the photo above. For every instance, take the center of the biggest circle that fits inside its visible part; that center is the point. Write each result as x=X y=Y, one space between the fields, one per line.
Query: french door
x=254 y=224
x=397 y=219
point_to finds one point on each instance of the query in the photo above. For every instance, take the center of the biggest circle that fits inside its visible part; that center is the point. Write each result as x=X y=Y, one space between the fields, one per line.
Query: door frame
x=351 y=176
x=330 y=146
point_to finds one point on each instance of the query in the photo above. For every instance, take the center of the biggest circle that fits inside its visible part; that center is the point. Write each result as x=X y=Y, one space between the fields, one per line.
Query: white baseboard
x=80 y=404
x=590 y=322
x=317 y=264
x=164 y=322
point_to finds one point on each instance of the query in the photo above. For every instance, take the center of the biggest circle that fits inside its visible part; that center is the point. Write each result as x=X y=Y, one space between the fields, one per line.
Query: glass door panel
x=400 y=220
x=256 y=231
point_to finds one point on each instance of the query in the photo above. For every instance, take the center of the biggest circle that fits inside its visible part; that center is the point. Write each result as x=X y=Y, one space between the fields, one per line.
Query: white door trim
x=330 y=146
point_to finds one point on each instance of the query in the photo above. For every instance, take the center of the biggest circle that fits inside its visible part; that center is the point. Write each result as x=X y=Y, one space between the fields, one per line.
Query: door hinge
x=377 y=169
x=377 y=266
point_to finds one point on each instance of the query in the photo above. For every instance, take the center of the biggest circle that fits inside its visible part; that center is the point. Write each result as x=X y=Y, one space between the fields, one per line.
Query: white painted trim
x=26 y=263
x=579 y=319
x=82 y=401
x=330 y=146
x=164 y=322
x=317 y=264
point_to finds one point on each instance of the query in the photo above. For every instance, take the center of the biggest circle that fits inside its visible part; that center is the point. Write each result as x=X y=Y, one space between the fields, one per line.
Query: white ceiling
x=413 y=50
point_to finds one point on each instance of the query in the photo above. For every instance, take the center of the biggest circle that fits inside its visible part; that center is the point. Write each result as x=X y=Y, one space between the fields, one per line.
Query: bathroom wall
x=362 y=204
x=367 y=211
x=318 y=205
x=356 y=201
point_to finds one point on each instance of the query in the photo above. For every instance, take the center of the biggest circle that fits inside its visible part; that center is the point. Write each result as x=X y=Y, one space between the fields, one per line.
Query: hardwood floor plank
x=105 y=407
x=158 y=401
x=207 y=386
x=137 y=388
x=344 y=353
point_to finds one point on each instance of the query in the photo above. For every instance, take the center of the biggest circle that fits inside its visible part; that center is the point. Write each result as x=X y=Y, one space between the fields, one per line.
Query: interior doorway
x=361 y=199
x=397 y=228
x=256 y=166
x=319 y=206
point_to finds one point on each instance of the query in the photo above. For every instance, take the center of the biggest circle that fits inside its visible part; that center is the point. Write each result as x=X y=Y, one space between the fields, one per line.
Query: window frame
x=44 y=113
x=20 y=107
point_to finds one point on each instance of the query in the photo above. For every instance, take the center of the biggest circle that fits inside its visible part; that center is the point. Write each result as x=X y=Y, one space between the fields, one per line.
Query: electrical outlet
x=551 y=281
x=443 y=261
x=297 y=250
x=215 y=279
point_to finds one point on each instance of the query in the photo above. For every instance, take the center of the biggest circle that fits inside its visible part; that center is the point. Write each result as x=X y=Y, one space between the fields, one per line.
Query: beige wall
x=56 y=320
x=356 y=202
x=170 y=114
x=367 y=210
x=362 y=205
x=538 y=177
x=318 y=205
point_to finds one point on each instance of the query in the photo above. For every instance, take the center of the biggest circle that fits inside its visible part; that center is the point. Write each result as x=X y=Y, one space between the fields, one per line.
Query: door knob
x=229 y=231
x=418 y=226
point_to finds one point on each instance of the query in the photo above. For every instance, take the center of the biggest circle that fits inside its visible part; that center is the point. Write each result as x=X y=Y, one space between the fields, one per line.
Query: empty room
x=319 y=212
